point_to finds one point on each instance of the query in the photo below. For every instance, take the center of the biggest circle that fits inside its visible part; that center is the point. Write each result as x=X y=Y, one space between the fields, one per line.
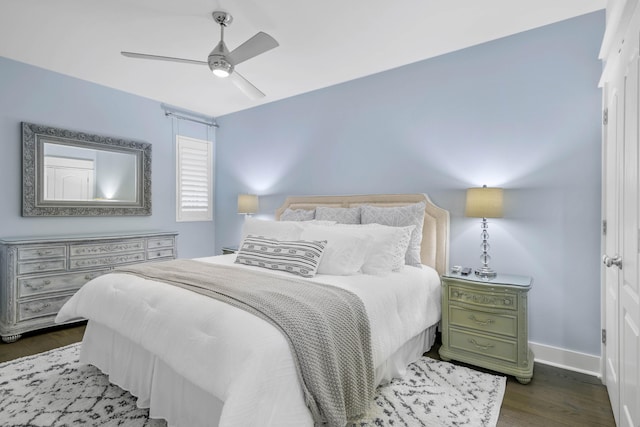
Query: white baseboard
x=566 y=359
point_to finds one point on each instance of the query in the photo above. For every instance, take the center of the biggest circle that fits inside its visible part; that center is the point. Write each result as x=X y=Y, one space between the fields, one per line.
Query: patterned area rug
x=53 y=389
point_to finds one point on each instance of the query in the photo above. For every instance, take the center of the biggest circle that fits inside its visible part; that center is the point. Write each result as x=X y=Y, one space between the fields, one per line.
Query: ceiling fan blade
x=245 y=86
x=162 y=58
x=256 y=45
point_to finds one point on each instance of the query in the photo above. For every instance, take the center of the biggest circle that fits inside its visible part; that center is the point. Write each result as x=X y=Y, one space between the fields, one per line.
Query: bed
x=196 y=361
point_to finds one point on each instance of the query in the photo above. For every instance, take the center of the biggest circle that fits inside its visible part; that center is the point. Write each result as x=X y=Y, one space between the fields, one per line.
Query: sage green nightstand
x=484 y=323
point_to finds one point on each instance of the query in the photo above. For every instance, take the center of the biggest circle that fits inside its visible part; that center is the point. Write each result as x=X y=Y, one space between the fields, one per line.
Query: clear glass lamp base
x=486 y=272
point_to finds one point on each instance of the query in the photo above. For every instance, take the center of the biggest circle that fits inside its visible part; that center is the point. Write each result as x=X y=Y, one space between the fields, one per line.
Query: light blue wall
x=521 y=112
x=38 y=96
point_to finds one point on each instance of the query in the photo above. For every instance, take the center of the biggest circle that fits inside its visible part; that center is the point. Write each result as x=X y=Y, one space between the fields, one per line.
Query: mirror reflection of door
x=68 y=178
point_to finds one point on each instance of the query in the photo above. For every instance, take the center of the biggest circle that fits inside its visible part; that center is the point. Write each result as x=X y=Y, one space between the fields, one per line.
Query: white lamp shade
x=484 y=202
x=247 y=203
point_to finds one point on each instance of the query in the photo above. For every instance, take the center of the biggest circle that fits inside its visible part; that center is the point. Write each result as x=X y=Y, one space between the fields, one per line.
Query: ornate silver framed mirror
x=69 y=173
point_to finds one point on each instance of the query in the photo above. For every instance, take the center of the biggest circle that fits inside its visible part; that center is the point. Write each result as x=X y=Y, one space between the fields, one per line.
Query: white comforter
x=236 y=356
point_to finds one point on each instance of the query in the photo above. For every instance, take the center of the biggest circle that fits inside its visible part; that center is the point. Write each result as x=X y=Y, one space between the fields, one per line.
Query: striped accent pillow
x=300 y=257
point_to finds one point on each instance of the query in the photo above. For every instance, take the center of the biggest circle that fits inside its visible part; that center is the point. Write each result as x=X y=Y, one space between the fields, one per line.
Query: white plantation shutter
x=194 y=174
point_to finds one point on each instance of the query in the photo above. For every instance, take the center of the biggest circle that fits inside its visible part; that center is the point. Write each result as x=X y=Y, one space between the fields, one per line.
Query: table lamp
x=247 y=204
x=484 y=202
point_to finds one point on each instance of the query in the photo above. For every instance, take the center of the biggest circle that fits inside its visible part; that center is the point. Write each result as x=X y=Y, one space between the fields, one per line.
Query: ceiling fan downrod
x=217 y=58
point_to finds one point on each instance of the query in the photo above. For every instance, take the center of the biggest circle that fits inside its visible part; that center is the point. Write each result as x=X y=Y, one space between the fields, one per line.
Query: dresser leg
x=522 y=380
x=11 y=338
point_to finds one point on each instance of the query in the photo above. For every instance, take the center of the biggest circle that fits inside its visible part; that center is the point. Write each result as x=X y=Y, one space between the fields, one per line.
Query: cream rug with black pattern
x=53 y=389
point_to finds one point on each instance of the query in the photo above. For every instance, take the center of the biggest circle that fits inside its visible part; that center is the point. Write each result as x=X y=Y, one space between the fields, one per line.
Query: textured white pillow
x=400 y=216
x=297 y=214
x=386 y=249
x=345 y=251
x=339 y=215
x=280 y=230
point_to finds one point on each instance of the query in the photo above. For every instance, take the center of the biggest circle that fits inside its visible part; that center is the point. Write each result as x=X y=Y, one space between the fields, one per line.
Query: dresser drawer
x=104 y=261
x=493 y=347
x=161 y=253
x=28 y=286
x=41 y=307
x=483 y=321
x=500 y=300
x=26 y=254
x=160 y=243
x=42 y=266
x=106 y=248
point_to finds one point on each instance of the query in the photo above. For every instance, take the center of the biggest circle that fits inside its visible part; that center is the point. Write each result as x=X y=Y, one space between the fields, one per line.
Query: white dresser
x=38 y=275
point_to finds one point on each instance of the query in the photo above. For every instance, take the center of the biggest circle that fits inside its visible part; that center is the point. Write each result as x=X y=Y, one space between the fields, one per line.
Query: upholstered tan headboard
x=435 y=233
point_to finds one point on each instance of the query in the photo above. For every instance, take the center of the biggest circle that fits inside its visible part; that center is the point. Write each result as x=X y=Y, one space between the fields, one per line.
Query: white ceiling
x=322 y=43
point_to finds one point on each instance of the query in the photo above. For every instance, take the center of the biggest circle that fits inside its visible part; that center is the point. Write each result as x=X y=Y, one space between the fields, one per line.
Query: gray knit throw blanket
x=327 y=328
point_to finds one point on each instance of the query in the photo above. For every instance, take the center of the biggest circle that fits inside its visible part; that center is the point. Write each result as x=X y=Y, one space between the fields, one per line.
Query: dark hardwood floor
x=38 y=342
x=554 y=397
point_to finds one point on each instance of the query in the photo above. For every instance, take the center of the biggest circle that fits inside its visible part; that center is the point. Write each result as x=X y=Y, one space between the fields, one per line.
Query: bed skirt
x=171 y=397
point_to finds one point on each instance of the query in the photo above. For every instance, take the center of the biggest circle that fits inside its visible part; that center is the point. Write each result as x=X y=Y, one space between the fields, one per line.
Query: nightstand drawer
x=493 y=347
x=500 y=300
x=482 y=321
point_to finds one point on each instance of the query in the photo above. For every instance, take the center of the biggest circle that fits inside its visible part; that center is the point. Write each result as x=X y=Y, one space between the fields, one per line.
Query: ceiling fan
x=222 y=62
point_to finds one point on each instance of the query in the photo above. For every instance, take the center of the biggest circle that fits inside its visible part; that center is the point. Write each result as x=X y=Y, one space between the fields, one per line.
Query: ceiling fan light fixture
x=220 y=66
x=219 y=72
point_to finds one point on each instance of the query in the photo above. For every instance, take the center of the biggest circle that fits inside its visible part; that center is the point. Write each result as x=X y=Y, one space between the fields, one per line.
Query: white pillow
x=400 y=216
x=279 y=230
x=387 y=247
x=345 y=251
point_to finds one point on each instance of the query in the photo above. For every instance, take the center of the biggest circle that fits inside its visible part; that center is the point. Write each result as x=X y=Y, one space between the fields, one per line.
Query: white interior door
x=629 y=288
x=622 y=211
x=68 y=179
x=611 y=199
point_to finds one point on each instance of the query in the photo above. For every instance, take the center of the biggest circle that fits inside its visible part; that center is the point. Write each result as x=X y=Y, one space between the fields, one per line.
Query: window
x=194 y=179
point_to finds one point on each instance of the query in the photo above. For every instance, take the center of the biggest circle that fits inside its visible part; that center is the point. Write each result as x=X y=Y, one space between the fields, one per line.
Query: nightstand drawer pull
x=481 y=322
x=480 y=346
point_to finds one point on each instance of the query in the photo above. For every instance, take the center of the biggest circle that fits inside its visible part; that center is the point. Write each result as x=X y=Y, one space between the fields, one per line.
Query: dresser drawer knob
x=44 y=252
x=36 y=308
x=480 y=346
x=481 y=322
